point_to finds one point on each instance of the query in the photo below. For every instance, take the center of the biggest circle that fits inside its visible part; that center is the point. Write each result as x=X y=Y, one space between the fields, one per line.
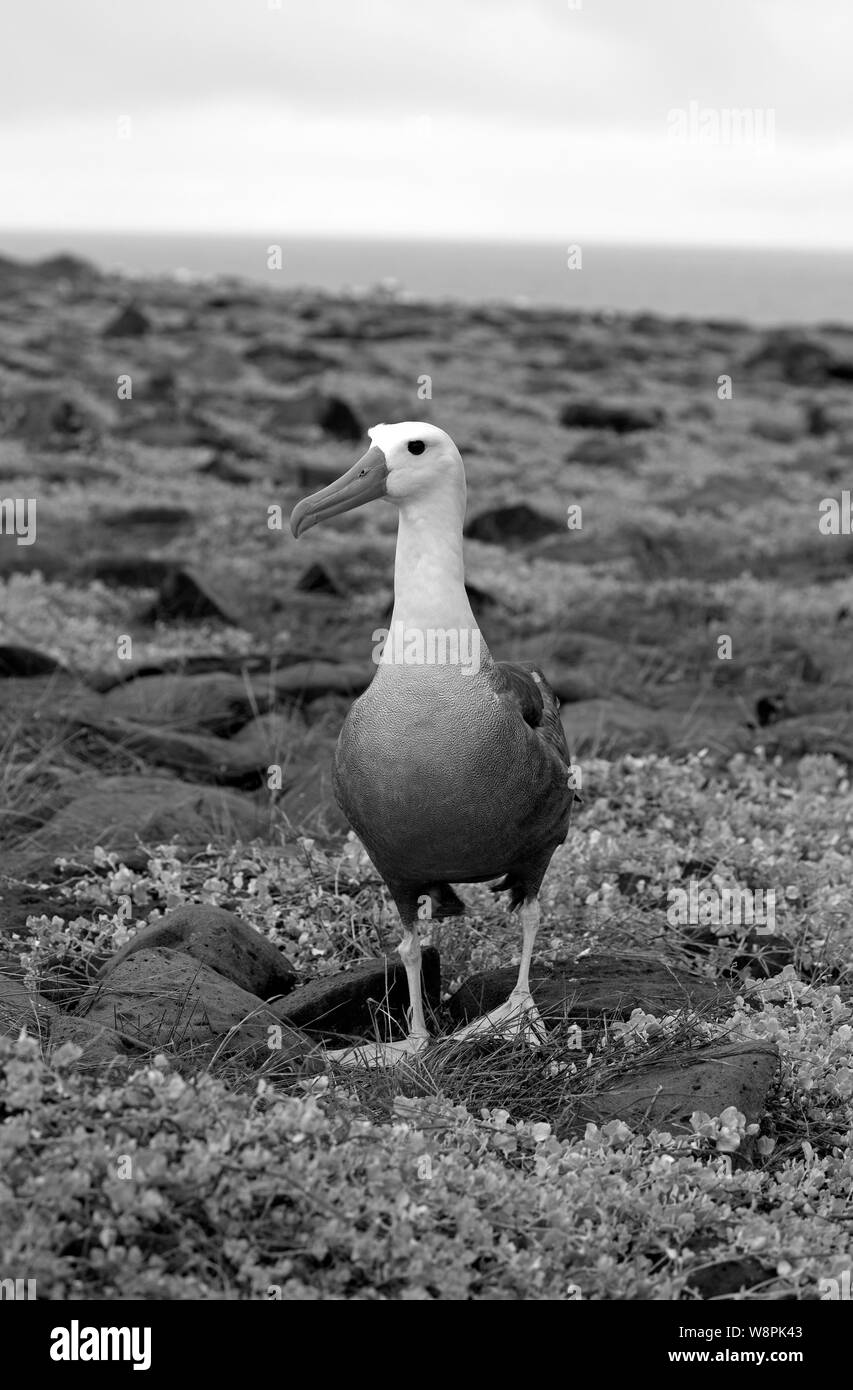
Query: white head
x=408 y=464
x=419 y=457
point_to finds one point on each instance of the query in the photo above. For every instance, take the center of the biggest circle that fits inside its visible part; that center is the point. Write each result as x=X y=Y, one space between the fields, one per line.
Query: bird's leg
x=389 y=1054
x=410 y=954
x=519 y=1015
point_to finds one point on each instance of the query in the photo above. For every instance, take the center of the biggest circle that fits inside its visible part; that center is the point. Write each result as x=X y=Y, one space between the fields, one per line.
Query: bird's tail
x=446 y=902
x=510 y=884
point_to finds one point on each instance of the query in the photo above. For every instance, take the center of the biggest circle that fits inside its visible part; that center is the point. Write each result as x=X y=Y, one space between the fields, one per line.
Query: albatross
x=451 y=767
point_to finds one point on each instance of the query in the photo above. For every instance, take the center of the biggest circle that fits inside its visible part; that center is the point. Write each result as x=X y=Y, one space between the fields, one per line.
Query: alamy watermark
x=17 y=1289
x=401 y=645
x=724 y=125
x=76 y=1343
x=18 y=518
x=696 y=906
x=836 y=1290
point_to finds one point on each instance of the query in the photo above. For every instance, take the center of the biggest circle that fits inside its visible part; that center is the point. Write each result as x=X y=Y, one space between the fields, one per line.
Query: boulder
x=50 y=700
x=220 y=940
x=288 y=361
x=188 y=594
x=620 y=417
x=50 y=558
x=664 y=1094
x=590 y=990
x=100 y=1045
x=359 y=1002
x=828 y=732
x=605 y=449
x=215 y=701
x=164 y=388
x=200 y=663
x=20 y=1009
x=166 y=998
x=799 y=359
x=269 y=738
x=160 y=514
x=128 y=571
x=512 y=525
x=339 y=420
x=58 y=417
x=225 y=468
x=64 y=266
x=129 y=322
x=306 y=680
x=19 y=901
x=308 y=407
x=194 y=756
x=120 y=813
x=322 y=578
x=724 y=1278
x=26 y=662
x=609 y=726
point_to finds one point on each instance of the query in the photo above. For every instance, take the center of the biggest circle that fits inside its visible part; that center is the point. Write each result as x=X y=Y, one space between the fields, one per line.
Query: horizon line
x=449 y=239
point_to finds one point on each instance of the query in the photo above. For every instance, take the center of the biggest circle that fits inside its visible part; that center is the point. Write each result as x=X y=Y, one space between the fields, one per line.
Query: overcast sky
x=475 y=118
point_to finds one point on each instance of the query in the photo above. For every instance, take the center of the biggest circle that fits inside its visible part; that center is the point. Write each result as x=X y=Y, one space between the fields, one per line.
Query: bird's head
x=405 y=464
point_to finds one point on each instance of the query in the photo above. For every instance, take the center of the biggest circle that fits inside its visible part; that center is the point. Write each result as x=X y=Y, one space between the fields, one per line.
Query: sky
x=482 y=119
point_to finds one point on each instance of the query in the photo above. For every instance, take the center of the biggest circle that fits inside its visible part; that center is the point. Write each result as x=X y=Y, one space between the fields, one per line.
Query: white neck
x=429 y=573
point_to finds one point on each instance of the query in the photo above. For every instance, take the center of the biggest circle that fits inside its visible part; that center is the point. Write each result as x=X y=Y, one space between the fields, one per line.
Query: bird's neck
x=429 y=572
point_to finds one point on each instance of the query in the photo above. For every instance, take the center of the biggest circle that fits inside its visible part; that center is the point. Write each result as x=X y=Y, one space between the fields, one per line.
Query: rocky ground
x=182 y=914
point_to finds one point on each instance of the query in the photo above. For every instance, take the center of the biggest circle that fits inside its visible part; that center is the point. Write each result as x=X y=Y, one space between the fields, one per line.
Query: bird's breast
x=438 y=777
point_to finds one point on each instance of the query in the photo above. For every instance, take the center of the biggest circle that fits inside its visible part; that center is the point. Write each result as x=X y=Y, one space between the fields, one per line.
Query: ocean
x=756 y=285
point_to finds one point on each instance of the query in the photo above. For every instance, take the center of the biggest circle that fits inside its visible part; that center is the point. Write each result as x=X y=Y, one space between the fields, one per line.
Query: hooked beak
x=361 y=483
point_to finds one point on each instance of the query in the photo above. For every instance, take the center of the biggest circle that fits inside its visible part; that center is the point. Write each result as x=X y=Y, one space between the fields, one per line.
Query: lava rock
x=725 y=1278
x=161 y=514
x=340 y=421
x=268 y=738
x=321 y=578
x=26 y=663
x=186 y=594
x=100 y=1045
x=120 y=813
x=594 y=414
x=359 y=1002
x=763 y=955
x=129 y=322
x=287 y=361
x=795 y=357
x=19 y=901
x=195 y=757
x=224 y=467
x=57 y=417
x=163 y=997
x=310 y=407
x=588 y=991
x=512 y=525
x=214 y=701
x=307 y=680
x=65 y=267
x=663 y=1095
x=220 y=940
x=129 y=571
x=20 y=1009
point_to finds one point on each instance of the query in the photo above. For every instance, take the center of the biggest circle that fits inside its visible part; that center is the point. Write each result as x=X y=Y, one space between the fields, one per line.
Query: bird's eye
x=416 y=446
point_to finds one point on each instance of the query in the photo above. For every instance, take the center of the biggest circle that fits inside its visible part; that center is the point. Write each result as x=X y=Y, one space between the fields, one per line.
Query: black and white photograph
x=426 y=672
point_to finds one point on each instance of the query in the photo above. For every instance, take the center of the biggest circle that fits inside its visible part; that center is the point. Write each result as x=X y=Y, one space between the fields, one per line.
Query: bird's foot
x=518 y=1017
x=381 y=1054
